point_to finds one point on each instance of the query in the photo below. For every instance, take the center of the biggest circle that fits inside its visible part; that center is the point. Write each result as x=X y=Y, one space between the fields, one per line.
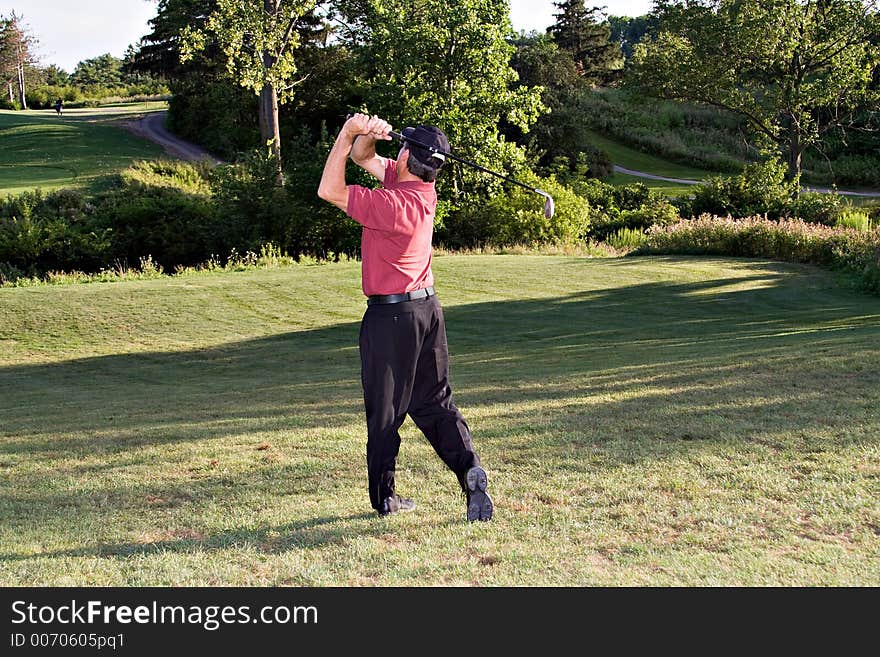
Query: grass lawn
x=644 y=421
x=43 y=150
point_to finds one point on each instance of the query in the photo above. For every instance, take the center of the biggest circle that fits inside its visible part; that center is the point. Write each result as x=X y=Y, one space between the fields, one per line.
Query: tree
x=630 y=30
x=55 y=76
x=448 y=64
x=105 y=70
x=559 y=133
x=540 y=62
x=584 y=34
x=159 y=52
x=796 y=69
x=16 y=57
x=258 y=38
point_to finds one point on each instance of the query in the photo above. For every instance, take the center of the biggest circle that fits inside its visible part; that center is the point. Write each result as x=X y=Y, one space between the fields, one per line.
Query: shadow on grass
x=630 y=372
x=304 y=534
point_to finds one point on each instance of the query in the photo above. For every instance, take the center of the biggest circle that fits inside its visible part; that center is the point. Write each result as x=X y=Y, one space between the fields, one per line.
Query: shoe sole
x=480 y=506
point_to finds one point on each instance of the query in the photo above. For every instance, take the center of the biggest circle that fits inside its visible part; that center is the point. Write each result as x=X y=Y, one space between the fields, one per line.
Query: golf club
x=549 y=205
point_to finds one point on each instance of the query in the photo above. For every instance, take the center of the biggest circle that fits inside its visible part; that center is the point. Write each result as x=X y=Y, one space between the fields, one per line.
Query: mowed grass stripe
x=644 y=421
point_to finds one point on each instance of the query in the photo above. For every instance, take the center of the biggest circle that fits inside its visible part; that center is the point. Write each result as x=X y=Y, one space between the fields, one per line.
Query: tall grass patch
x=853 y=251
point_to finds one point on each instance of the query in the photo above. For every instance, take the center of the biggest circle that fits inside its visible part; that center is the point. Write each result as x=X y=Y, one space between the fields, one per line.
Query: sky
x=70 y=31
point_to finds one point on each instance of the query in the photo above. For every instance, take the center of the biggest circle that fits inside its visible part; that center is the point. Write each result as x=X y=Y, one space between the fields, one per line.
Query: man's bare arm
x=359 y=127
x=333 y=188
x=363 y=153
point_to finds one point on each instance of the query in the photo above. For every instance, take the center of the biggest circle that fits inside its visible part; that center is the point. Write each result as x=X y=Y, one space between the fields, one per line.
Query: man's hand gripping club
x=358 y=136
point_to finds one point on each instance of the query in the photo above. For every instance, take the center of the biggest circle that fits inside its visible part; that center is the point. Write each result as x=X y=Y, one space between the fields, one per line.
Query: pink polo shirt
x=398 y=221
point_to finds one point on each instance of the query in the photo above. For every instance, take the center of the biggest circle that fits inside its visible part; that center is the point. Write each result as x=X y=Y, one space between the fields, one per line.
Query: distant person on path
x=59 y=107
x=404 y=356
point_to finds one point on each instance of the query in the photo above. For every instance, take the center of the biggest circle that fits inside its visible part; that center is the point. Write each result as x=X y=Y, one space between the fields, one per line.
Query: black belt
x=400 y=298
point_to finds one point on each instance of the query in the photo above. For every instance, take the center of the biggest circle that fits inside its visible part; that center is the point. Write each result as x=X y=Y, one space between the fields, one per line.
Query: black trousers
x=405 y=370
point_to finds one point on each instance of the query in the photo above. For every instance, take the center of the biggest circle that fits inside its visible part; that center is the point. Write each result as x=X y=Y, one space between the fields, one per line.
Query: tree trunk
x=269 y=127
x=793 y=156
x=21 y=87
x=11 y=92
x=22 y=95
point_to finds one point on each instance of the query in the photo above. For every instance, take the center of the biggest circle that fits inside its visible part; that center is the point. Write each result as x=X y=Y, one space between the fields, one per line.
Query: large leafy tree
x=584 y=33
x=206 y=106
x=258 y=39
x=540 y=62
x=448 y=64
x=630 y=30
x=796 y=69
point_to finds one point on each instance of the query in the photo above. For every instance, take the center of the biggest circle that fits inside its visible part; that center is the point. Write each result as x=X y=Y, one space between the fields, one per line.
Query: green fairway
x=43 y=150
x=644 y=421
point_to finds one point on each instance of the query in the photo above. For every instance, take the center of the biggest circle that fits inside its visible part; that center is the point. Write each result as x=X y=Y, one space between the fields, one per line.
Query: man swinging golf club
x=404 y=358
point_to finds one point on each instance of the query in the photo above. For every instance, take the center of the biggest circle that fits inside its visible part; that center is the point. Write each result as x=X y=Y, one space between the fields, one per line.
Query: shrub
x=515 y=216
x=45 y=97
x=591 y=162
x=857 y=170
x=760 y=189
x=171 y=225
x=57 y=231
x=315 y=227
x=189 y=177
x=634 y=206
x=161 y=210
x=818 y=208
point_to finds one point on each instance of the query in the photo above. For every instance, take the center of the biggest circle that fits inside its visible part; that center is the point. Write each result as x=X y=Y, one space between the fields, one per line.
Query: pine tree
x=587 y=36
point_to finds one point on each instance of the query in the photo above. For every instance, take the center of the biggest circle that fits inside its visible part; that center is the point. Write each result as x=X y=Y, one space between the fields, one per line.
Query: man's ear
x=403 y=159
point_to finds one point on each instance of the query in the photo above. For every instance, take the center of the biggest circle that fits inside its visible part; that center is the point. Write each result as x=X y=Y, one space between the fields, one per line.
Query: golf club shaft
x=549 y=204
x=431 y=149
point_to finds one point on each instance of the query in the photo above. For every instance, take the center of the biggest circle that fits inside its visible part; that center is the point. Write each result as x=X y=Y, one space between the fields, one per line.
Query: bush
x=760 y=189
x=163 y=210
x=634 y=207
x=254 y=209
x=516 y=217
x=626 y=239
x=42 y=233
x=854 y=252
x=315 y=227
x=45 y=97
x=592 y=162
x=189 y=177
x=847 y=169
x=817 y=208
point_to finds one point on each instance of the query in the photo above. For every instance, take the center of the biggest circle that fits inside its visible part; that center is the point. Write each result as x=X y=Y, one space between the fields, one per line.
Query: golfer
x=404 y=357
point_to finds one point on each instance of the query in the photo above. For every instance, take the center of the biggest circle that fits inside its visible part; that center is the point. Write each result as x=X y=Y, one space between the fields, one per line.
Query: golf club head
x=549 y=205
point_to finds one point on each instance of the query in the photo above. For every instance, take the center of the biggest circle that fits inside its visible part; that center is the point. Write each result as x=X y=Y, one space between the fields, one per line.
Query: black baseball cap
x=431 y=136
